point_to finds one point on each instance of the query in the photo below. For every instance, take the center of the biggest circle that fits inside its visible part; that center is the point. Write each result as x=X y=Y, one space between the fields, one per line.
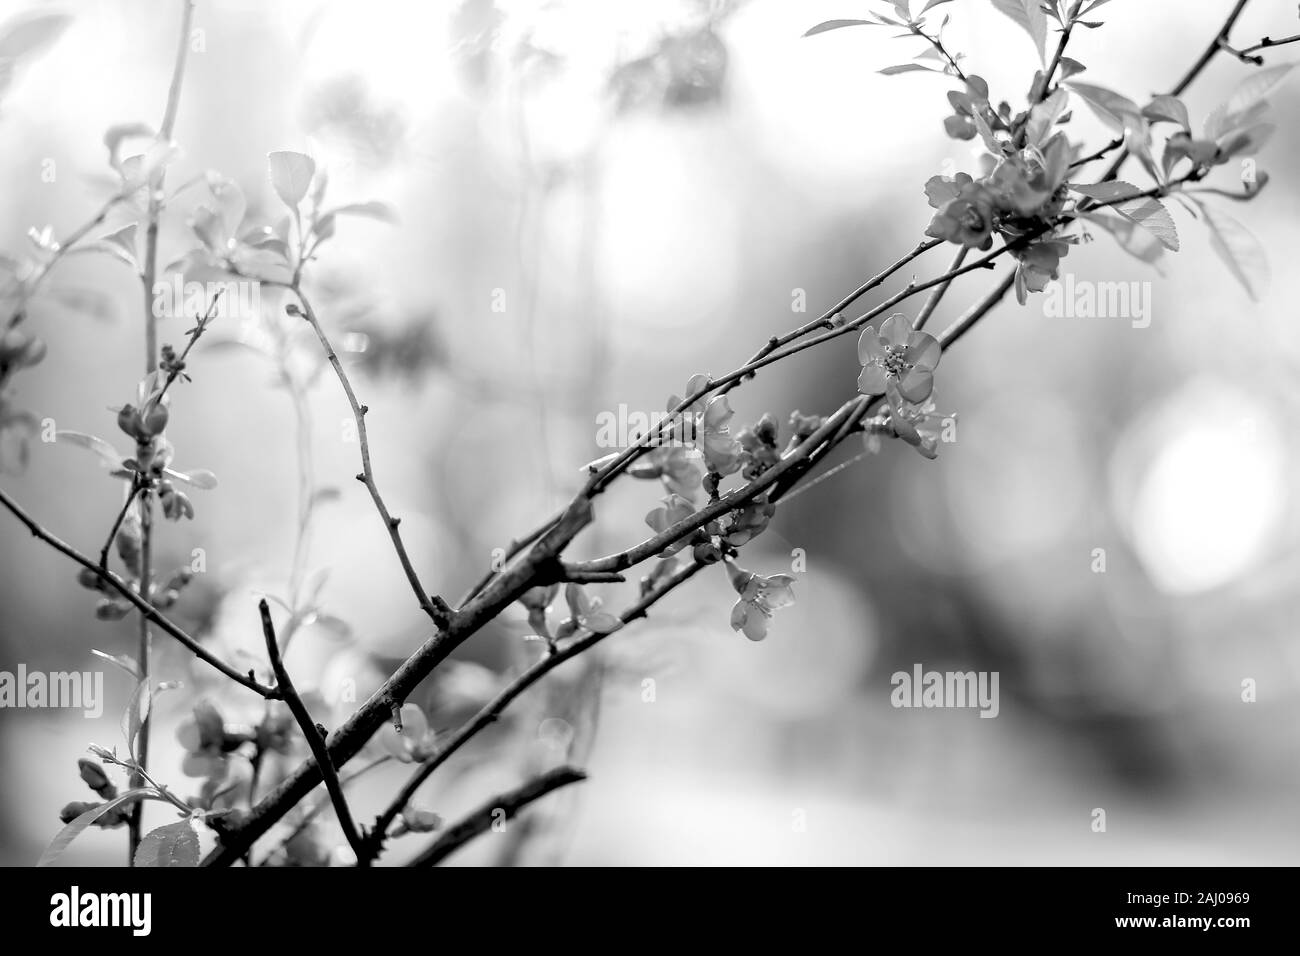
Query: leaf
x=601 y=622
x=1115 y=110
x=1244 y=98
x=1044 y=116
x=138 y=170
x=175 y=844
x=1115 y=189
x=26 y=35
x=1145 y=211
x=120 y=245
x=1169 y=109
x=374 y=209
x=291 y=175
x=829 y=25
x=906 y=68
x=1070 y=67
x=107 y=453
x=198 y=477
x=1240 y=251
x=64 y=837
x=136 y=713
x=1030 y=17
x=124 y=661
x=933 y=3
x=1134 y=240
x=1150 y=213
x=114 y=136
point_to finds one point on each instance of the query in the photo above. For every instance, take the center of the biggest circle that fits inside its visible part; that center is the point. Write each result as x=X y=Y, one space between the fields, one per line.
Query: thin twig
x=940 y=291
x=130 y=594
x=315 y=735
x=432 y=605
x=1092 y=157
x=117 y=523
x=314 y=811
x=504 y=806
x=1249 y=54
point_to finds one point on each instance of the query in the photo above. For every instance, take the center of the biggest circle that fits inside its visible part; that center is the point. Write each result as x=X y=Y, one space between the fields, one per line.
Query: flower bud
x=765 y=429
x=89 y=580
x=94 y=775
x=75 y=809
x=128 y=419
x=708 y=553
x=110 y=610
x=155 y=419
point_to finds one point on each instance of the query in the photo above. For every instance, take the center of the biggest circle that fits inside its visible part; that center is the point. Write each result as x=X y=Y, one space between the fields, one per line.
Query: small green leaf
x=1145 y=211
x=26 y=35
x=175 y=844
x=115 y=135
x=1240 y=251
x=829 y=25
x=906 y=68
x=120 y=245
x=1114 y=109
x=107 y=453
x=291 y=175
x=369 y=210
x=200 y=478
x=74 y=829
x=124 y=661
x=1134 y=240
x=1170 y=109
x=136 y=713
x=601 y=622
x=1030 y=17
x=1227 y=116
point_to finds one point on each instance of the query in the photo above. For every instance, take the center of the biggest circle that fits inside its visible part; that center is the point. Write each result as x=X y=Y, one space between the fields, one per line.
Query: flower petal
x=717 y=413
x=924 y=350
x=896 y=330
x=739 y=613
x=872 y=380
x=756 y=625
x=916 y=385
x=869 y=347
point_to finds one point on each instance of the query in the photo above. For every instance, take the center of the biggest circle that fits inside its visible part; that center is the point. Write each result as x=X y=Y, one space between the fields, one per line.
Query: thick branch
x=492 y=710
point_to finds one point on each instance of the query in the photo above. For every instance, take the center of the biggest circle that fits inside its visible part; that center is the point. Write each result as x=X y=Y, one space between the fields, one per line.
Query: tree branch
x=432 y=605
x=315 y=735
x=503 y=806
x=130 y=594
x=492 y=710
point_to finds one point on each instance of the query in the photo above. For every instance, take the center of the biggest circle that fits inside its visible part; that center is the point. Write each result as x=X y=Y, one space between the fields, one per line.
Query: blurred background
x=596 y=200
